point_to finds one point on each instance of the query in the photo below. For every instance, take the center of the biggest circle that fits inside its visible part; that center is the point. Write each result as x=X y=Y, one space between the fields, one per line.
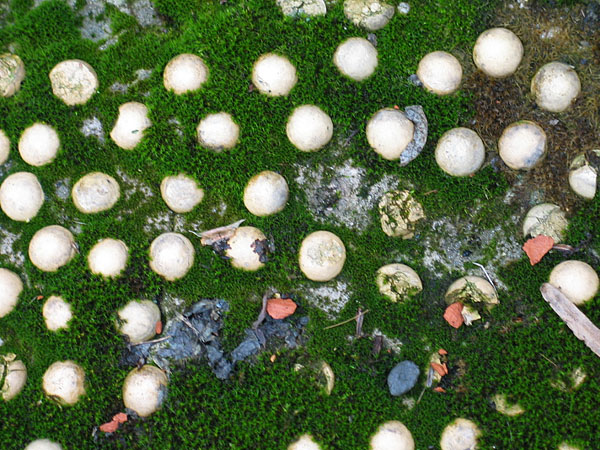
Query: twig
x=346 y=321
x=549 y=360
x=487 y=275
x=154 y=341
x=263 y=312
x=360 y=317
x=420 y=396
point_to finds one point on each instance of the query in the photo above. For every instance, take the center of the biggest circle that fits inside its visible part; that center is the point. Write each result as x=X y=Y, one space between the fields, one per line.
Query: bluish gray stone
x=403 y=378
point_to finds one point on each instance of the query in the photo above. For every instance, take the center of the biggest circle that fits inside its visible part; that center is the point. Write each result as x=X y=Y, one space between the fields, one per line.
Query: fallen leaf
x=439 y=368
x=39 y=297
x=273 y=358
x=120 y=417
x=280 y=308
x=439 y=389
x=537 y=247
x=396 y=107
x=441 y=351
x=110 y=427
x=453 y=315
x=158 y=327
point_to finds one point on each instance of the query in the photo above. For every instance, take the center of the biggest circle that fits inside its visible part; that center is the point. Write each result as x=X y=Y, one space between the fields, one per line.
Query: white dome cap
x=498 y=52
x=392 y=435
x=322 y=255
x=4 y=147
x=577 y=280
x=64 y=381
x=95 y=192
x=43 y=444
x=108 y=257
x=440 y=72
x=39 y=144
x=185 y=73
x=304 y=442
x=57 y=313
x=130 y=125
x=356 y=58
x=555 y=86
x=51 y=248
x=73 y=81
x=460 y=152
x=461 y=434
x=389 y=132
x=138 y=320
x=274 y=75
x=181 y=192
x=309 y=128
x=242 y=249
x=218 y=131
x=21 y=196
x=144 y=390
x=171 y=255
x=522 y=145
x=10 y=289
x=266 y=193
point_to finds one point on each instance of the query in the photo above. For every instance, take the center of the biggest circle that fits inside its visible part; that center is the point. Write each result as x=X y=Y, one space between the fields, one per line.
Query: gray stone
x=403 y=378
x=417 y=116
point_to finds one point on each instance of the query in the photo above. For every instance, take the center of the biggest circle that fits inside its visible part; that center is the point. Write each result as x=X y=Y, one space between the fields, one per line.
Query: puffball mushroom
x=498 y=52
x=108 y=257
x=389 y=132
x=57 y=313
x=10 y=289
x=43 y=444
x=293 y=8
x=460 y=152
x=274 y=75
x=473 y=289
x=130 y=125
x=73 y=81
x=566 y=446
x=64 y=381
x=369 y=14
x=218 y=131
x=440 y=72
x=14 y=374
x=171 y=255
x=304 y=442
x=144 y=390
x=399 y=212
x=12 y=73
x=4 y=147
x=21 y=196
x=503 y=407
x=39 y=144
x=583 y=177
x=356 y=58
x=95 y=192
x=398 y=281
x=392 y=435
x=555 y=86
x=547 y=219
x=51 y=248
x=461 y=434
x=522 y=145
x=266 y=193
x=181 y=192
x=309 y=128
x=185 y=73
x=138 y=320
x=322 y=256
x=577 y=280
x=243 y=250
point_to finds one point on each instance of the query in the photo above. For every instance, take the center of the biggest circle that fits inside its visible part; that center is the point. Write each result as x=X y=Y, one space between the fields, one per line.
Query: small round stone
x=440 y=72
x=399 y=213
x=21 y=196
x=403 y=378
x=10 y=289
x=471 y=289
x=392 y=435
x=144 y=390
x=185 y=73
x=108 y=257
x=51 y=248
x=218 y=131
x=309 y=128
x=498 y=52
x=57 y=313
x=12 y=73
x=274 y=75
x=398 y=281
x=547 y=219
x=266 y=193
x=181 y=193
x=73 y=81
x=461 y=434
x=243 y=250
x=304 y=442
x=64 y=381
x=460 y=152
x=4 y=147
x=370 y=14
x=43 y=444
x=14 y=374
x=138 y=320
x=294 y=8
x=389 y=132
x=130 y=125
x=522 y=145
x=322 y=256
x=39 y=144
x=577 y=280
x=555 y=87
x=583 y=176
x=95 y=192
x=171 y=255
x=356 y=58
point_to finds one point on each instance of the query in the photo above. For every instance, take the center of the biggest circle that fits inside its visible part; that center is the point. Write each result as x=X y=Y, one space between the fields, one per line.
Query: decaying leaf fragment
x=211 y=237
x=537 y=247
x=280 y=308
x=453 y=314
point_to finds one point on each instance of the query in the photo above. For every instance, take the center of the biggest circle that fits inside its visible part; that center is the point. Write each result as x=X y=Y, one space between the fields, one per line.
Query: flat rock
x=403 y=378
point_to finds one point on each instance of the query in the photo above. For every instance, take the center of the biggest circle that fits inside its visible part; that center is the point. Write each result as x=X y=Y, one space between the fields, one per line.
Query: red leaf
x=396 y=107
x=280 y=308
x=439 y=389
x=537 y=247
x=120 y=417
x=39 y=297
x=158 y=327
x=110 y=427
x=441 y=351
x=439 y=368
x=453 y=315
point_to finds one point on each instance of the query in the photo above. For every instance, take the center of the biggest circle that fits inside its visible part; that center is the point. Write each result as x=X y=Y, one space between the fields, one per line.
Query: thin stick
x=360 y=316
x=263 y=312
x=154 y=341
x=549 y=360
x=487 y=276
x=420 y=396
x=346 y=321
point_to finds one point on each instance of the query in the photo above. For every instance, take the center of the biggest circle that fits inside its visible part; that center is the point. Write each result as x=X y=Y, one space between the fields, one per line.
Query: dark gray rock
x=403 y=378
x=417 y=116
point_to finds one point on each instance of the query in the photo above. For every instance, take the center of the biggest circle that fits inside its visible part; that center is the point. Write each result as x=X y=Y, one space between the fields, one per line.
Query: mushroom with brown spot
x=555 y=86
x=95 y=192
x=274 y=75
x=522 y=145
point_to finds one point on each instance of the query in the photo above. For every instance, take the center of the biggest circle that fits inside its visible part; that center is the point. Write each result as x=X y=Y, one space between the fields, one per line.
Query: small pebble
x=403 y=378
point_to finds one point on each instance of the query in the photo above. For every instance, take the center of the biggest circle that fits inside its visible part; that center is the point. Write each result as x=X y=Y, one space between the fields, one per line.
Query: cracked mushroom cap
x=583 y=177
x=43 y=444
x=138 y=320
x=309 y=128
x=472 y=288
x=266 y=193
x=322 y=255
x=577 y=280
x=369 y=14
x=12 y=73
x=4 y=147
x=144 y=390
x=399 y=212
x=73 y=81
x=398 y=281
x=64 y=381
x=462 y=434
x=243 y=249
x=57 y=313
x=504 y=407
x=14 y=374
x=218 y=131
x=21 y=196
x=389 y=132
x=95 y=192
x=460 y=152
x=130 y=125
x=304 y=442
x=547 y=219
x=522 y=145
x=356 y=58
x=10 y=289
x=51 y=248
x=185 y=73
x=555 y=86
x=498 y=52
x=274 y=75
x=440 y=72
x=392 y=435
x=39 y=144
x=171 y=255
x=181 y=193
x=108 y=257
x=294 y=8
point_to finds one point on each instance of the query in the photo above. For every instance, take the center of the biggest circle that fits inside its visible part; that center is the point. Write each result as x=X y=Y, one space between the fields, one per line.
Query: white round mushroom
x=309 y=128
x=73 y=81
x=266 y=193
x=522 y=145
x=547 y=219
x=51 y=248
x=399 y=213
x=130 y=125
x=498 y=52
x=12 y=73
x=304 y=442
x=583 y=177
x=555 y=86
x=43 y=444
x=218 y=131
x=138 y=320
x=57 y=313
x=39 y=144
x=460 y=152
x=389 y=132
x=64 y=381
x=398 y=281
x=577 y=280
x=392 y=435
x=322 y=255
x=185 y=73
x=504 y=407
x=462 y=434
x=144 y=390
x=171 y=255
x=243 y=250
x=472 y=289
x=4 y=147
x=95 y=192
x=369 y=14
x=14 y=373
x=274 y=75
x=294 y=8
x=21 y=196
x=108 y=257
x=181 y=192
x=356 y=58
x=440 y=72
x=10 y=289
x=567 y=446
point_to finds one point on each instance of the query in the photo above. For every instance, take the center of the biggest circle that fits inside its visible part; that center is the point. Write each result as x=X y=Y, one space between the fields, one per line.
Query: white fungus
x=460 y=152
x=399 y=213
x=392 y=435
x=583 y=176
x=21 y=196
x=498 y=52
x=10 y=289
x=39 y=144
x=322 y=255
x=171 y=255
x=185 y=73
x=43 y=444
x=440 y=72
x=274 y=75
x=4 y=147
x=130 y=125
x=462 y=434
x=356 y=58
x=12 y=73
x=144 y=390
x=218 y=131
x=369 y=14
x=57 y=313
x=522 y=145
x=64 y=381
x=95 y=192
x=472 y=289
x=244 y=250
x=309 y=128
x=555 y=86
x=138 y=320
x=398 y=281
x=181 y=192
x=14 y=374
x=504 y=407
x=547 y=219
x=266 y=193
x=294 y=8
x=577 y=280
x=51 y=248
x=73 y=81
x=304 y=442
x=108 y=257
x=389 y=132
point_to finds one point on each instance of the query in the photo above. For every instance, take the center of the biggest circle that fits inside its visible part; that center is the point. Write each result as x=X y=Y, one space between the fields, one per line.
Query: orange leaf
x=110 y=427
x=39 y=297
x=453 y=315
x=158 y=327
x=439 y=389
x=441 y=351
x=537 y=247
x=280 y=308
x=441 y=369
x=120 y=417
x=396 y=107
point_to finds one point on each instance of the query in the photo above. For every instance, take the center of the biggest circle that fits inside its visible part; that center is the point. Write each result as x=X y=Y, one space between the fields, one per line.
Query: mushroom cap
x=10 y=289
x=218 y=131
x=389 y=132
x=274 y=75
x=242 y=249
x=460 y=152
x=138 y=320
x=293 y=8
x=503 y=407
x=399 y=211
x=356 y=58
x=181 y=192
x=64 y=381
x=309 y=128
x=475 y=289
x=43 y=444
x=51 y=248
x=39 y=144
x=522 y=145
x=171 y=255
x=4 y=147
x=397 y=281
x=392 y=435
x=108 y=257
x=73 y=81
x=555 y=86
x=547 y=219
x=567 y=446
x=144 y=390
x=130 y=125
x=266 y=193
x=369 y=14
x=583 y=177
x=498 y=52
x=461 y=434
x=14 y=378
x=57 y=313
x=185 y=73
x=440 y=72
x=95 y=192
x=322 y=256
x=21 y=196
x=12 y=73
x=577 y=280
x=304 y=442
